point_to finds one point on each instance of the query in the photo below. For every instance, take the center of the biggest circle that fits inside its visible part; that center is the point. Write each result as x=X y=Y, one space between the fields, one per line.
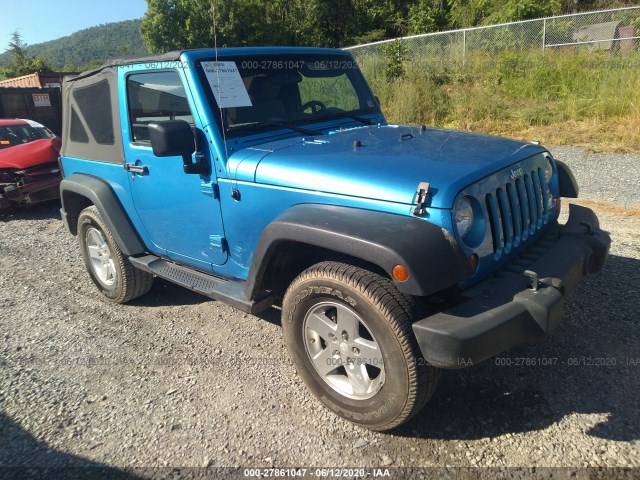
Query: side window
x=154 y=97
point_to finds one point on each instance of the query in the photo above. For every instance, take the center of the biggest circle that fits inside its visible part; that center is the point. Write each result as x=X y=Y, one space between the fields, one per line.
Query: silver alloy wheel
x=343 y=350
x=102 y=261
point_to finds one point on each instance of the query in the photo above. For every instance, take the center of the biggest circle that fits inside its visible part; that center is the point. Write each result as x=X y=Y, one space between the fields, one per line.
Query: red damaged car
x=29 y=171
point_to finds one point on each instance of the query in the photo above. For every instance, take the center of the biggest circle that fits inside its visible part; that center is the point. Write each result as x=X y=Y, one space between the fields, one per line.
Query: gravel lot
x=174 y=379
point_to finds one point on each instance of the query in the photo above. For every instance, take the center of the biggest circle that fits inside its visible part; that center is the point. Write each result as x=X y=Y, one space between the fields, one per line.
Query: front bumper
x=510 y=309
x=37 y=184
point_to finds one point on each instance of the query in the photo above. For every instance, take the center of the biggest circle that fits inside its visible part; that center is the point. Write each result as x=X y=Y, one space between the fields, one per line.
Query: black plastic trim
x=568 y=185
x=98 y=192
x=433 y=257
x=510 y=312
x=227 y=291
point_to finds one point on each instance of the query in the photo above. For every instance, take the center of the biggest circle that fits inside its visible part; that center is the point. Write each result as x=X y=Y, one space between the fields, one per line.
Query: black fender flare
x=79 y=186
x=568 y=185
x=432 y=255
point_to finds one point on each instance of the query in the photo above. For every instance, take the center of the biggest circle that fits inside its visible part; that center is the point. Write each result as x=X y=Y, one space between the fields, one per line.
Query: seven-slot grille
x=518 y=210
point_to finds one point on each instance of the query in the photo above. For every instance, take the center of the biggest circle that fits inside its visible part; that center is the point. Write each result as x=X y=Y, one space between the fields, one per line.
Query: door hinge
x=218 y=242
x=209 y=189
x=422 y=195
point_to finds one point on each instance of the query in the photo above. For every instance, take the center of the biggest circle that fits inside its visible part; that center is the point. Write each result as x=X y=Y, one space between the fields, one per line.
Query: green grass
x=560 y=96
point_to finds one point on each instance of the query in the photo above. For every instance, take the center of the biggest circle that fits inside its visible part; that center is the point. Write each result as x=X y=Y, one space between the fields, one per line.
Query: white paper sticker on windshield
x=226 y=84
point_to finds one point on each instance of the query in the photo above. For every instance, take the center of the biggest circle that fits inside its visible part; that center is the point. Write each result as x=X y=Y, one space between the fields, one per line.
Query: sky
x=42 y=20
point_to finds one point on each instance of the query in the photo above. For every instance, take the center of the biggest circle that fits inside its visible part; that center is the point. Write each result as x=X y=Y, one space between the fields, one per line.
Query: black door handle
x=130 y=167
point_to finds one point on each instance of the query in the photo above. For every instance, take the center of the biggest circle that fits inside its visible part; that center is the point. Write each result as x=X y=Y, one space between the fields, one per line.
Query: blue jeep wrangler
x=268 y=177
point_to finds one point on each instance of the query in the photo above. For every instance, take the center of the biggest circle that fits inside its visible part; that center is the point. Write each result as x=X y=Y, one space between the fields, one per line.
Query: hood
x=390 y=163
x=30 y=154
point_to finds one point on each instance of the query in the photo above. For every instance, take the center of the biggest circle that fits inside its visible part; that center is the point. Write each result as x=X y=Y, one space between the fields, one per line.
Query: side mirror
x=173 y=138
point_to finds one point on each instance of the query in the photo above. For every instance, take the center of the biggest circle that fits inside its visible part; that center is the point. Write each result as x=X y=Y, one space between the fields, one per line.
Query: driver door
x=179 y=212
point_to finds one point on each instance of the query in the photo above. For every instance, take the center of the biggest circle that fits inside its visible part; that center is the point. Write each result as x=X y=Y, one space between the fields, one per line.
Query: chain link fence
x=614 y=31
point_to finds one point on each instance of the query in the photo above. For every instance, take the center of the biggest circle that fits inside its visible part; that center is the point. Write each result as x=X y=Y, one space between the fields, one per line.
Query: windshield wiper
x=366 y=121
x=273 y=123
x=337 y=115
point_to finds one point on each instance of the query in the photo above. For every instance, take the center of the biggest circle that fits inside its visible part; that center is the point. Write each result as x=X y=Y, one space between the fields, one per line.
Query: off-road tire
x=128 y=282
x=408 y=380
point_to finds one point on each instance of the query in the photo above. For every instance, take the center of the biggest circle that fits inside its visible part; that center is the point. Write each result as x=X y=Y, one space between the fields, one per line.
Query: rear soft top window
x=91 y=124
x=95 y=107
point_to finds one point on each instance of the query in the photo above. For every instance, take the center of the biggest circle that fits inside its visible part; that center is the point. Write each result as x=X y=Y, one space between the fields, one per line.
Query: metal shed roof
x=604 y=35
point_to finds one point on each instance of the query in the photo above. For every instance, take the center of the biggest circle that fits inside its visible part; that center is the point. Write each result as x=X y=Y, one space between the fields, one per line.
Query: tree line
x=176 y=24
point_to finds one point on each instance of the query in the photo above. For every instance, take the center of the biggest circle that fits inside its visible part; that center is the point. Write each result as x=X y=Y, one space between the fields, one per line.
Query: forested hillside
x=91 y=45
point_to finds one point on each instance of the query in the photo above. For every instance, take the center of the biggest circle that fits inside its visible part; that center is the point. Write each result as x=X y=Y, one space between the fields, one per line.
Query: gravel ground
x=174 y=379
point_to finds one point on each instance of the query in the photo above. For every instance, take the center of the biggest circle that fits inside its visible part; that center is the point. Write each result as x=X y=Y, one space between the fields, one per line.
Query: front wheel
x=349 y=333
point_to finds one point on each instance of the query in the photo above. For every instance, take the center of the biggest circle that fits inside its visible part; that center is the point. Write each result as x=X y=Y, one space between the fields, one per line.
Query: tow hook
x=588 y=228
x=535 y=279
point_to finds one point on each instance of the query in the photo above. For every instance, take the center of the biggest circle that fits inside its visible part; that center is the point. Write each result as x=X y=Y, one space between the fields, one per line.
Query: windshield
x=17 y=134
x=271 y=92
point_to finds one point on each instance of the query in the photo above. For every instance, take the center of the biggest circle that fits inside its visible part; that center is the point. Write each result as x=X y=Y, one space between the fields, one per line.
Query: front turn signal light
x=473 y=262
x=400 y=273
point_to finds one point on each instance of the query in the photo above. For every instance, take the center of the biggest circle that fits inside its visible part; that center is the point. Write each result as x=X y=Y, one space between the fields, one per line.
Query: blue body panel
x=385 y=167
x=115 y=175
x=261 y=204
x=179 y=212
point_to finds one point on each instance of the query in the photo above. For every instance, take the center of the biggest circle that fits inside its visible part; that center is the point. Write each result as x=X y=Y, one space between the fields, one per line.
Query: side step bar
x=230 y=292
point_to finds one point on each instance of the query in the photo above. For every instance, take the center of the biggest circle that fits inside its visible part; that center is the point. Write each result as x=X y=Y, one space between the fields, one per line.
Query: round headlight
x=548 y=169
x=463 y=214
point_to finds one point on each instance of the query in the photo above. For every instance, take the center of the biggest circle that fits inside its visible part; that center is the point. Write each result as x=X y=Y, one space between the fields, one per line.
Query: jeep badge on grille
x=517 y=173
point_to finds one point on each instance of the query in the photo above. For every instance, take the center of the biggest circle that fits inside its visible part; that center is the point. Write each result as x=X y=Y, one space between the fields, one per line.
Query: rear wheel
x=349 y=333
x=108 y=267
